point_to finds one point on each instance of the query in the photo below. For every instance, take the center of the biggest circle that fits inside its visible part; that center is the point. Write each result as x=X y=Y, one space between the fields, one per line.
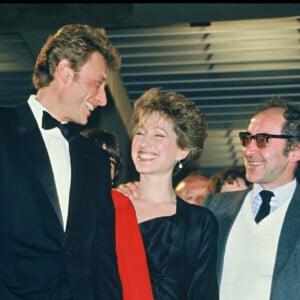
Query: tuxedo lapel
x=90 y=187
x=31 y=138
x=83 y=184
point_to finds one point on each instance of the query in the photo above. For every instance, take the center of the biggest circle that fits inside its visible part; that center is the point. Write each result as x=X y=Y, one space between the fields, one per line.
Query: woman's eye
x=138 y=133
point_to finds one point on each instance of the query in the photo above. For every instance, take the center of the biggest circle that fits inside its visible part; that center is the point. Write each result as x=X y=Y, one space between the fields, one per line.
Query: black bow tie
x=68 y=130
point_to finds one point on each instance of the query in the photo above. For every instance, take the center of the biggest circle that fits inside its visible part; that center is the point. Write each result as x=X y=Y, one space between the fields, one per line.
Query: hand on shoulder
x=129 y=189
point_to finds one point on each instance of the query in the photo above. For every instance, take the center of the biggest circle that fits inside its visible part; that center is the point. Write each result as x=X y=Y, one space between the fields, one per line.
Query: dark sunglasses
x=261 y=139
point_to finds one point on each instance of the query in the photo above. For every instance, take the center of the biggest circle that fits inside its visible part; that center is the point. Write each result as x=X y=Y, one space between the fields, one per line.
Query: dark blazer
x=286 y=275
x=35 y=251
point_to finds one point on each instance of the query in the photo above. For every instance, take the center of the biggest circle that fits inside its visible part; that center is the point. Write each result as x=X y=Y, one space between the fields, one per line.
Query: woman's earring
x=180 y=165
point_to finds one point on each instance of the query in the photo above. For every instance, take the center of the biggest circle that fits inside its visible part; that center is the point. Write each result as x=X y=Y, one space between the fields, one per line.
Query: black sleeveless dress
x=181 y=253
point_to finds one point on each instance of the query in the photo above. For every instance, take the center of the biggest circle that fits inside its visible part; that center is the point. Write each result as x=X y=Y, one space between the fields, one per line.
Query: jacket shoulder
x=196 y=213
x=121 y=202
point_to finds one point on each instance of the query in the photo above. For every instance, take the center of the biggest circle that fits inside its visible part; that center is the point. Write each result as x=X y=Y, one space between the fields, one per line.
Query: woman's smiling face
x=154 y=147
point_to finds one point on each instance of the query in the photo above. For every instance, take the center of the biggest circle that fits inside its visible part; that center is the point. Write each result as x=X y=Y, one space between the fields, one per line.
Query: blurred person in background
x=194 y=188
x=109 y=142
x=229 y=180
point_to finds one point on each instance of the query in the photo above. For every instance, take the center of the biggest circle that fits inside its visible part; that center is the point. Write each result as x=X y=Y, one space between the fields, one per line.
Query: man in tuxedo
x=259 y=238
x=57 y=221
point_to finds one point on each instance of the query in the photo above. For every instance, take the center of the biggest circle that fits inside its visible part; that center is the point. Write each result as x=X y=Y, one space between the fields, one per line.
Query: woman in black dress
x=179 y=238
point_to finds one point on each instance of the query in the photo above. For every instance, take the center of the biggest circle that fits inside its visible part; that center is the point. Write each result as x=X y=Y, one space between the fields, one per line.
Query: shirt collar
x=37 y=109
x=282 y=193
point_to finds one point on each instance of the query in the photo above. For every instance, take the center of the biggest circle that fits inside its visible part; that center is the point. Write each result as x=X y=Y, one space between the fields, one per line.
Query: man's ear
x=294 y=155
x=64 y=71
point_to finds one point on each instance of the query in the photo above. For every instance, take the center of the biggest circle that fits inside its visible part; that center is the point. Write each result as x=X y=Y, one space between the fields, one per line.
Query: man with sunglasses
x=261 y=259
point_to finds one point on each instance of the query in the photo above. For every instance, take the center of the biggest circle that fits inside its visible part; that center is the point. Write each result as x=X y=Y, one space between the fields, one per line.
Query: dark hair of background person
x=228 y=175
x=108 y=141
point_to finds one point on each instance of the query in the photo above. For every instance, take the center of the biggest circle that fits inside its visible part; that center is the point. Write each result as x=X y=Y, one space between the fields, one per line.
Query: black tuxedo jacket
x=35 y=250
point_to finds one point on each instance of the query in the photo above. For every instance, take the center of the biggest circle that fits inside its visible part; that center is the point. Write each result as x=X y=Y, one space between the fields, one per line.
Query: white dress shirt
x=58 y=151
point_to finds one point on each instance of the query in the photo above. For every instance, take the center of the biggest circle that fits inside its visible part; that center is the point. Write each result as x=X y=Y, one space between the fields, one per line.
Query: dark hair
x=227 y=175
x=291 y=114
x=75 y=42
x=188 y=120
x=112 y=146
